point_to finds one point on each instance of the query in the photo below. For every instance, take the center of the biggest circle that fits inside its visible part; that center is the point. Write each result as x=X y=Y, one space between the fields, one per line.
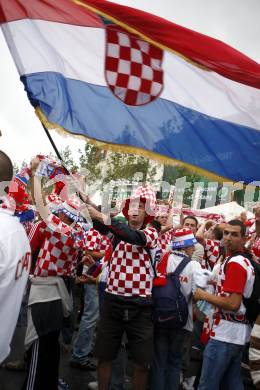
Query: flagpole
x=52 y=143
x=61 y=159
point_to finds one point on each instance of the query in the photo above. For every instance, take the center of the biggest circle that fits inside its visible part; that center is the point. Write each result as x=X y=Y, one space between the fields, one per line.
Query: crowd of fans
x=153 y=292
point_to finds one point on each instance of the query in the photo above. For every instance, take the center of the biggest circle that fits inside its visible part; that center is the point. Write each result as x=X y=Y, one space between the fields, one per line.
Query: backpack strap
x=181 y=266
x=153 y=265
x=226 y=264
x=244 y=254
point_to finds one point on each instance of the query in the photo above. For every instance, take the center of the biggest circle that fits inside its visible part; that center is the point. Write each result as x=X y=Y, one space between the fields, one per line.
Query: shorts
x=118 y=317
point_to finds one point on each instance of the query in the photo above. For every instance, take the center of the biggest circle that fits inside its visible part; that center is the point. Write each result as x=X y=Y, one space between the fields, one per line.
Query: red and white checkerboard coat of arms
x=133 y=67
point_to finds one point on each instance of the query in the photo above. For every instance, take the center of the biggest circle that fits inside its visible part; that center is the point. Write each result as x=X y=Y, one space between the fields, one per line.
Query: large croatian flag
x=128 y=78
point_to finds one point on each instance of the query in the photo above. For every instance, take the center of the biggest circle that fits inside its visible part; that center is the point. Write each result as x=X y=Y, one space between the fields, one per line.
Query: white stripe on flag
x=79 y=53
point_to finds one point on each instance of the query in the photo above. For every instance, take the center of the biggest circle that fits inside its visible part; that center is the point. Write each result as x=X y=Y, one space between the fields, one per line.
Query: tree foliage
x=172 y=173
x=101 y=167
x=68 y=159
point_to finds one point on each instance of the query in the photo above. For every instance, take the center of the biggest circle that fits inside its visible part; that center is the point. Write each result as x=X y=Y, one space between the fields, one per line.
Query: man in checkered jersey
x=127 y=304
x=231 y=329
x=58 y=238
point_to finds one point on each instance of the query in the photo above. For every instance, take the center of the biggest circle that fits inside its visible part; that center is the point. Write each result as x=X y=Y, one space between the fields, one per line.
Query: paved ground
x=76 y=378
x=10 y=380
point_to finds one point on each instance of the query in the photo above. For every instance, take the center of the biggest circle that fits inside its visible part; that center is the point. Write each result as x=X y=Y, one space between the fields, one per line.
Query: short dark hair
x=6 y=167
x=218 y=232
x=237 y=222
x=191 y=217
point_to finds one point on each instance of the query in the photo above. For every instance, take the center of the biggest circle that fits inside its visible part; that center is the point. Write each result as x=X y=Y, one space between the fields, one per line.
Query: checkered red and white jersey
x=93 y=240
x=256 y=246
x=130 y=272
x=27 y=226
x=211 y=254
x=105 y=243
x=165 y=239
x=59 y=247
x=96 y=241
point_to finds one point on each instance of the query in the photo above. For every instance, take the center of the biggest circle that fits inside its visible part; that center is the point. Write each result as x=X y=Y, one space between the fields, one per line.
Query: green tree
x=68 y=159
x=172 y=173
x=91 y=159
x=103 y=167
x=125 y=166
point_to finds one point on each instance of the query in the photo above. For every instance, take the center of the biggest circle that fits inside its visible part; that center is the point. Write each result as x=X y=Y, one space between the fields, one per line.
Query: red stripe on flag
x=201 y=49
x=206 y=51
x=61 y=11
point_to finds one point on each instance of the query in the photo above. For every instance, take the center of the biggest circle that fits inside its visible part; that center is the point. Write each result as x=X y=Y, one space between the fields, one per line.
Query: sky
x=235 y=22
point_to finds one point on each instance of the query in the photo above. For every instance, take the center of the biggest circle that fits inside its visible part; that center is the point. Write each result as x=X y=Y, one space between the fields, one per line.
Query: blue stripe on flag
x=163 y=127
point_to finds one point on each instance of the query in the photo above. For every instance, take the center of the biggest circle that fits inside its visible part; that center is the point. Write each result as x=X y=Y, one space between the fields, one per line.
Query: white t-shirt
x=15 y=261
x=191 y=277
x=237 y=276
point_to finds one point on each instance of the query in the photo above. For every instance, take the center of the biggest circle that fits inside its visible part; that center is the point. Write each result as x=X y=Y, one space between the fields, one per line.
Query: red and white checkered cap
x=54 y=201
x=144 y=194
